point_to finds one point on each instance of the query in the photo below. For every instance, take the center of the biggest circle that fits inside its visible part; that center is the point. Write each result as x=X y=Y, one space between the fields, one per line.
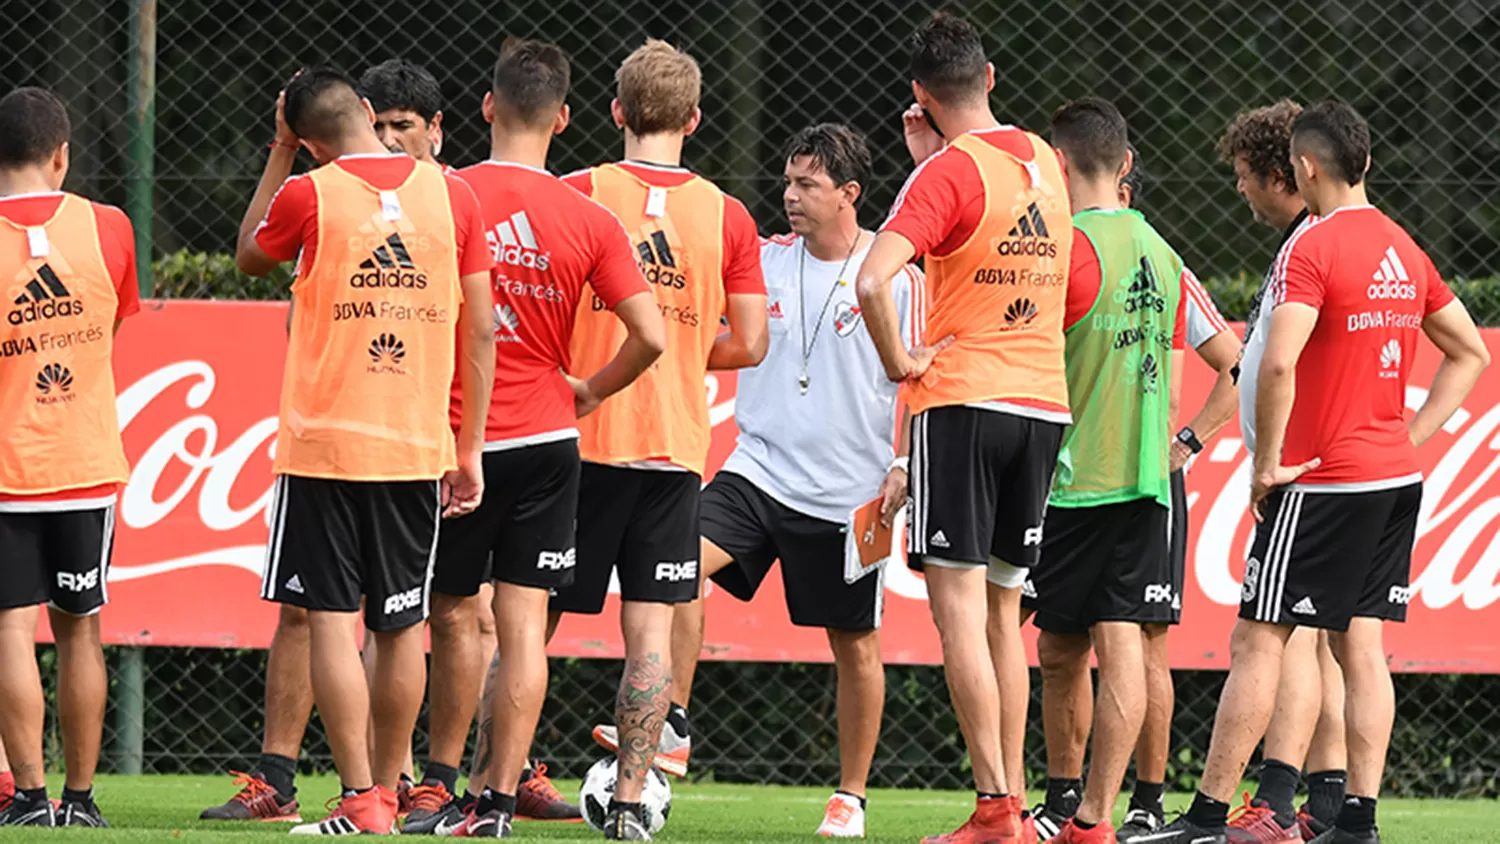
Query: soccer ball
x=599 y=787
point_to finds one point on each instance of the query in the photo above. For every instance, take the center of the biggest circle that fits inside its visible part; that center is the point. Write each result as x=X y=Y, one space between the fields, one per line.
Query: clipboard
x=869 y=545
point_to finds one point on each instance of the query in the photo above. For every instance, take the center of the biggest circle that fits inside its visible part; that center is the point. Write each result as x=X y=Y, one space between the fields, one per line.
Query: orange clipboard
x=870 y=544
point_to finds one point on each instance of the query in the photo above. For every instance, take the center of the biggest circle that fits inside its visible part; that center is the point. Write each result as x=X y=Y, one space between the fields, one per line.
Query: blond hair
x=658 y=87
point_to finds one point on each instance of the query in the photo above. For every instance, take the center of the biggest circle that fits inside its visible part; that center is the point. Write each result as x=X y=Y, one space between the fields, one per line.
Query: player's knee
x=855 y=647
x=1256 y=640
x=451 y=616
x=292 y=619
x=1062 y=655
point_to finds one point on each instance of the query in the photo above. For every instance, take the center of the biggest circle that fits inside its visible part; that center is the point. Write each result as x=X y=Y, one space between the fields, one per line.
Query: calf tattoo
x=483 y=746
x=640 y=712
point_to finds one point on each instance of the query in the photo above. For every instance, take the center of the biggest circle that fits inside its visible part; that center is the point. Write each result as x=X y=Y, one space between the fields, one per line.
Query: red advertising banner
x=198 y=385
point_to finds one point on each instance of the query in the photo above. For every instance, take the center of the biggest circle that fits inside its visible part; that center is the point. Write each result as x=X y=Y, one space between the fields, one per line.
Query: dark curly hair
x=1263 y=137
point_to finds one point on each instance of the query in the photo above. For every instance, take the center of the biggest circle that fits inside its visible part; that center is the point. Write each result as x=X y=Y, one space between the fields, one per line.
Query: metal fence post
x=140 y=196
x=130 y=711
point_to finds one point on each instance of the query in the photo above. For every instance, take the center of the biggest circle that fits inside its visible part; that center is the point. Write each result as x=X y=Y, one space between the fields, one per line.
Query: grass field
x=165 y=808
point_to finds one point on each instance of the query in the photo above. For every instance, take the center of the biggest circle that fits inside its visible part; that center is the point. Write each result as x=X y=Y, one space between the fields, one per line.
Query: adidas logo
x=44 y=297
x=386 y=354
x=1029 y=236
x=1145 y=280
x=1390 y=355
x=1028 y=589
x=1019 y=313
x=1391 y=280
x=517 y=244
x=54 y=377
x=1304 y=607
x=775 y=312
x=389 y=265
x=939 y=540
x=295 y=585
x=658 y=264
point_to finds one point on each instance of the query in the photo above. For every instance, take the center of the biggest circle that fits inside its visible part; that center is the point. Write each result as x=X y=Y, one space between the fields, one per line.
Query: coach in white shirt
x=817 y=421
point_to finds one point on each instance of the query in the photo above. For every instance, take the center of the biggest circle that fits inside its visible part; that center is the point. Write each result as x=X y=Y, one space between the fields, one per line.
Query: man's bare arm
x=645 y=340
x=746 y=341
x=1465 y=358
x=888 y=254
x=248 y=256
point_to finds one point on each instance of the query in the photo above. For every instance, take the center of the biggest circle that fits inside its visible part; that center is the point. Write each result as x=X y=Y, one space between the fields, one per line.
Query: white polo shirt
x=822 y=453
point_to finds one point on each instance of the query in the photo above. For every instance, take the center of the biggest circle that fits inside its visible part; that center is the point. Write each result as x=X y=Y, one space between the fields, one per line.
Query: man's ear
x=564 y=117
x=61 y=158
x=617 y=111
x=695 y=122
x=989 y=77
x=369 y=109
x=1127 y=166
x=435 y=132
x=851 y=192
x=487 y=107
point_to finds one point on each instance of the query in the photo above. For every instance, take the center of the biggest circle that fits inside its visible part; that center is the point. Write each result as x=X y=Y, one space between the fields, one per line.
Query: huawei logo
x=386 y=353
x=54 y=375
x=1020 y=313
x=1390 y=359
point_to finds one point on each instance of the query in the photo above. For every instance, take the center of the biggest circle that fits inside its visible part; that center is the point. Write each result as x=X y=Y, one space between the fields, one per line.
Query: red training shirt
x=741 y=269
x=291 y=221
x=117 y=243
x=1371 y=286
x=548 y=241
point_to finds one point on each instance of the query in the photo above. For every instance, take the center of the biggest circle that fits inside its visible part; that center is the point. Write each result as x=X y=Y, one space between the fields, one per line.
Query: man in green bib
x=1105 y=562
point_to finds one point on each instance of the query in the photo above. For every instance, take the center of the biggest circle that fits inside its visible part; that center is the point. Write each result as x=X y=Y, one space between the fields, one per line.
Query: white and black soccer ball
x=599 y=787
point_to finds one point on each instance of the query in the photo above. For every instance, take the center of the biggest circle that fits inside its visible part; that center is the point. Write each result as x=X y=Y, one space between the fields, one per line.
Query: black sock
x=1325 y=794
x=406 y=780
x=633 y=808
x=1081 y=825
x=353 y=792
x=677 y=716
x=437 y=772
x=85 y=797
x=1148 y=797
x=32 y=795
x=1207 y=813
x=280 y=772
x=491 y=800
x=862 y=802
x=1357 y=815
x=1278 y=788
x=1064 y=795
x=468 y=801
x=989 y=795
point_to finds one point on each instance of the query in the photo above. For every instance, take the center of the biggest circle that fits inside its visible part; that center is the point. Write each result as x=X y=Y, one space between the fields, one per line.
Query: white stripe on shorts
x=1278 y=555
x=437 y=526
x=273 y=542
x=104 y=549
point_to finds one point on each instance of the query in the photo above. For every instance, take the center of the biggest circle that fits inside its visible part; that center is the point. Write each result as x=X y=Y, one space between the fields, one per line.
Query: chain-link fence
x=172 y=103
x=773 y=723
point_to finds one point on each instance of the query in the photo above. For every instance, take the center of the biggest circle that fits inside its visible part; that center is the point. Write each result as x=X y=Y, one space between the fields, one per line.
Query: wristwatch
x=1189 y=439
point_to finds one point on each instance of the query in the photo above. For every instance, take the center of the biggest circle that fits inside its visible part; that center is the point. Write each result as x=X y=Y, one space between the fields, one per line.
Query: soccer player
x=1308 y=721
x=1067 y=707
x=550 y=243
x=816 y=421
x=1335 y=485
x=1105 y=564
x=69 y=270
x=645 y=449
x=392 y=269
x=408 y=119
x=990 y=212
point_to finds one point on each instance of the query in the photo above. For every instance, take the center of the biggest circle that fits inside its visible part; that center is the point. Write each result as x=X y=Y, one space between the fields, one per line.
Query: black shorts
x=333 y=542
x=1105 y=563
x=522 y=531
x=757 y=530
x=56 y=558
x=1178 y=544
x=979 y=485
x=640 y=523
x=1322 y=558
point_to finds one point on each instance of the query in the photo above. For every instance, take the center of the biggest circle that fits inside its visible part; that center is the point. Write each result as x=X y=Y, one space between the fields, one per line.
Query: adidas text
x=402 y=601
x=408 y=279
x=47 y=309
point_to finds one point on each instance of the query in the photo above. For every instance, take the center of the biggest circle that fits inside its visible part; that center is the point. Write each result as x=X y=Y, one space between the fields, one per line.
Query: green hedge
x=205 y=275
